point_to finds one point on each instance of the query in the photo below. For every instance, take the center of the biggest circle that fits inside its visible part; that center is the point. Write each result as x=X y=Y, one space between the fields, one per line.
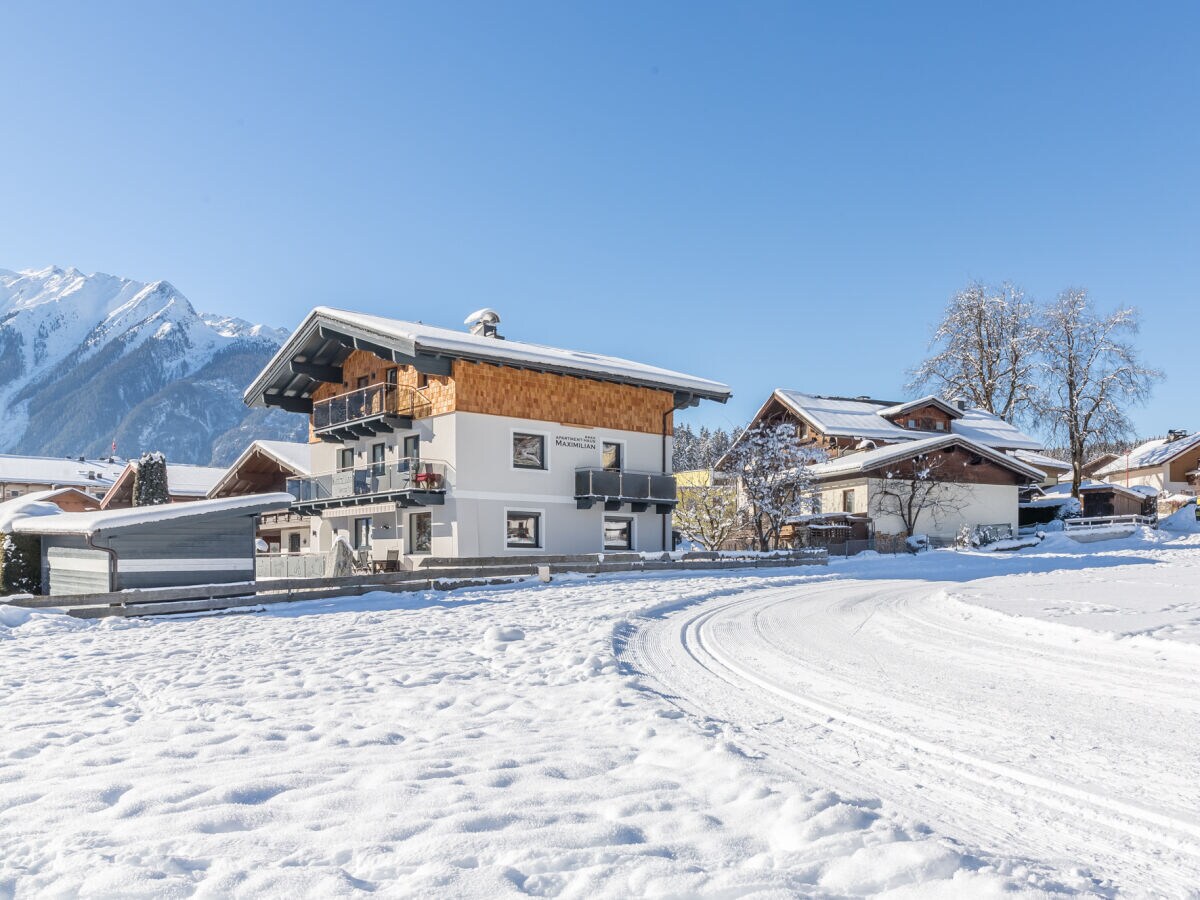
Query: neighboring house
x=184 y=484
x=66 y=499
x=205 y=542
x=988 y=459
x=1095 y=464
x=1055 y=469
x=266 y=467
x=1170 y=464
x=22 y=475
x=454 y=444
x=971 y=485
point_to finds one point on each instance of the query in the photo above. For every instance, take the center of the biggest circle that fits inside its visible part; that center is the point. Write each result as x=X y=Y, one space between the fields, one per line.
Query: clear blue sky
x=767 y=194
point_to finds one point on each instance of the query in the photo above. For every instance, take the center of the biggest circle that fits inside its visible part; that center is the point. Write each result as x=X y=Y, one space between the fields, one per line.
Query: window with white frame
x=618 y=533
x=611 y=457
x=522 y=530
x=848 y=501
x=420 y=532
x=528 y=450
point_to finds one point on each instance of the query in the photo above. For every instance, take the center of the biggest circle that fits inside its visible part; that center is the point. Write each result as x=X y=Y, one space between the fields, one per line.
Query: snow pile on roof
x=1151 y=453
x=192 y=481
x=59 y=522
x=1041 y=461
x=873 y=459
x=864 y=418
x=32 y=506
x=58 y=471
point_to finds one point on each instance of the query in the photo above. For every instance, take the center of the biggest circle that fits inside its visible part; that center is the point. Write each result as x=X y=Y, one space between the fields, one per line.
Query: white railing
x=1083 y=524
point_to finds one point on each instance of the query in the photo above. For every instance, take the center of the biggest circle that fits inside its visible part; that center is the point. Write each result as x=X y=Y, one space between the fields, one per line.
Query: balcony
x=375 y=409
x=408 y=482
x=615 y=489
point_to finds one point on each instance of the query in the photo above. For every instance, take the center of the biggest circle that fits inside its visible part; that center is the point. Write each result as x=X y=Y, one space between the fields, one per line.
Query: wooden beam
x=289 y=404
x=331 y=374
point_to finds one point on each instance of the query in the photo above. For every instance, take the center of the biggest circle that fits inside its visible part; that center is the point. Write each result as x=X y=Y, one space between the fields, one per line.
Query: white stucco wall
x=981 y=504
x=483 y=485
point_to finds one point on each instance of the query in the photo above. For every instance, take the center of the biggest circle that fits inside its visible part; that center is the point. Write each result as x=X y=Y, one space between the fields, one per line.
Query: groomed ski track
x=1015 y=736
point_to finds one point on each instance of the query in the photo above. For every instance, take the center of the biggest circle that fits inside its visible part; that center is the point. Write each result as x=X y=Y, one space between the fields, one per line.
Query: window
x=422 y=380
x=294 y=542
x=377 y=455
x=392 y=376
x=412 y=447
x=523 y=530
x=420 y=532
x=912 y=423
x=618 y=534
x=346 y=458
x=939 y=425
x=610 y=456
x=848 y=501
x=363 y=381
x=528 y=451
x=361 y=538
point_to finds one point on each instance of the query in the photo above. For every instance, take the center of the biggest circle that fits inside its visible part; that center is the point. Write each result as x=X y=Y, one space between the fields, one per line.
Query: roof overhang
x=315 y=352
x=870 y=460
x=920 y=403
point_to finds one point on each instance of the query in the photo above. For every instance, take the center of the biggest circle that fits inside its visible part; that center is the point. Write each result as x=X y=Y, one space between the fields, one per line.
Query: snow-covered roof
x=873 y=459
x=862 y=417
x=40 y=521
x=414 y=339
x=920 y=403
x=291 y=457
x=1041 y=461
x=297 y=457
x=192 y=481
x=1151 y=453
x=69 y=472
x=1104 y=487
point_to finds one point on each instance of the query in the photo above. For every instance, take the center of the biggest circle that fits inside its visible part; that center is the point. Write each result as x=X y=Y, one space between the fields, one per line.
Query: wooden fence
x=214 y=597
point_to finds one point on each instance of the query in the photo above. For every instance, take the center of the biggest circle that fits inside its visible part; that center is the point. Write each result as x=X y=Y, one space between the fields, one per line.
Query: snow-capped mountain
x=89 y=359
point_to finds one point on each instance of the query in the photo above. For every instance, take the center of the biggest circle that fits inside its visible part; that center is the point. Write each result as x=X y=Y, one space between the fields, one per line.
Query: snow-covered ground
x=932 y=726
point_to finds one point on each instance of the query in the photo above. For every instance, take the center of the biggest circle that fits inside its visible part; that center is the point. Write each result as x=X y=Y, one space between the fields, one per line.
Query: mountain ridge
x=86 y=360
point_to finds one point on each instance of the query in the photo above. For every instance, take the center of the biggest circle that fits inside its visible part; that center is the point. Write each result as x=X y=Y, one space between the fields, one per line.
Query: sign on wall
x=576 y=441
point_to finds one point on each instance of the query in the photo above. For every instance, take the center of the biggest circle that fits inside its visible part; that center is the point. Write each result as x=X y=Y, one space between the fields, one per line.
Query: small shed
x=826 y=530
x=1102 y=500
x=176 y=544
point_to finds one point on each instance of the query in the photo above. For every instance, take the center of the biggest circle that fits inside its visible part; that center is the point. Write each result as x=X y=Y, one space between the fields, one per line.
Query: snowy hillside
x=89 y=359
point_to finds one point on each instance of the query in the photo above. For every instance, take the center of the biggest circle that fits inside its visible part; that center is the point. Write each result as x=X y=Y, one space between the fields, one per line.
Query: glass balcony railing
x=630 y=487
x=408 y=475
x=369 y=402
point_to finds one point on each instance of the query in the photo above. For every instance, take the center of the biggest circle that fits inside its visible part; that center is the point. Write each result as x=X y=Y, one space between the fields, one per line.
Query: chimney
x=483 y=322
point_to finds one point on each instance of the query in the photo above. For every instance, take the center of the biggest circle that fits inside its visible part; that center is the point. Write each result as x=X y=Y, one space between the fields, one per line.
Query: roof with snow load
x=855 y=463
x=292 y=459
x=327 y=336
x=1152 y=453
x=185 y=481
x=36 y=519
x=865 y=418
x=65 y=471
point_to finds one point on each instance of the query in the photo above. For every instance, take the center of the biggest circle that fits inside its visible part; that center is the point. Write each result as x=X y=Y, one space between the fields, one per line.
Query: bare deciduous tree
x=986 y=348
x=1092 y=375
x=708 y=514
x=775 y=478
x=917 y=487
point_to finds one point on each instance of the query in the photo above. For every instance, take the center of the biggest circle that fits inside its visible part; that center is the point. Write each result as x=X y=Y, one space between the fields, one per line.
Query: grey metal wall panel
x=70 y=566
x=206 y=541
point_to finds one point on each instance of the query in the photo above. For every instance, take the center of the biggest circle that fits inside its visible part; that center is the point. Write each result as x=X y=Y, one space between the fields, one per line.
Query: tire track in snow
x=721 y=658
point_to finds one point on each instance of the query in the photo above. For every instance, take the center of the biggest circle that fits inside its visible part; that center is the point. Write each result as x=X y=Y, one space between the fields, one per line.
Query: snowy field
x=948 y=725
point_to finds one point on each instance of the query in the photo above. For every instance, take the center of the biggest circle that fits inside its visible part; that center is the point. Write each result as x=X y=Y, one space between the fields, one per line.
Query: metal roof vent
x=484 y=322
x=1176 y=434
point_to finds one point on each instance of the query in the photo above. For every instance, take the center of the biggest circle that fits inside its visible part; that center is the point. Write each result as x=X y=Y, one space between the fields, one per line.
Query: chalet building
x=264 y=468
x=1102 y=500
x=431 y=441
x=23 y=475
x=1170 y=465
x=874 y=446
x=184 y=483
